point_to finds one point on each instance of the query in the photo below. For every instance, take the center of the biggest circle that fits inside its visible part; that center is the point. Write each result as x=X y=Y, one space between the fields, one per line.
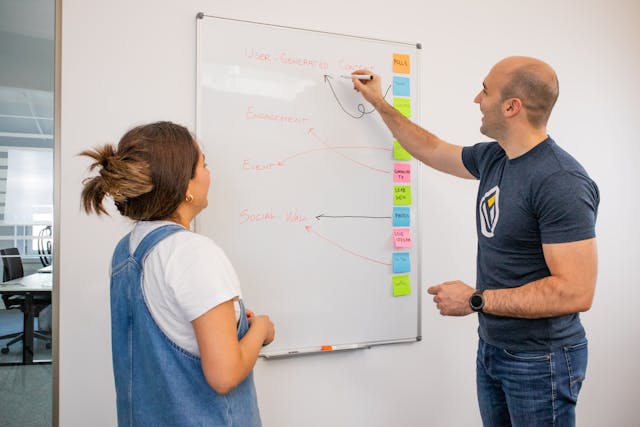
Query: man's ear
x=511 y=107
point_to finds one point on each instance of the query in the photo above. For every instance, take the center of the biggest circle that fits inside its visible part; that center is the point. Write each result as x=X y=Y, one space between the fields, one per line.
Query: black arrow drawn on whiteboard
x=351 y=216
x=360 y=107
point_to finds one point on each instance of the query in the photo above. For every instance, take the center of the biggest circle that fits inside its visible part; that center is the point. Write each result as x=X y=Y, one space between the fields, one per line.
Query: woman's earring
x=189 y=198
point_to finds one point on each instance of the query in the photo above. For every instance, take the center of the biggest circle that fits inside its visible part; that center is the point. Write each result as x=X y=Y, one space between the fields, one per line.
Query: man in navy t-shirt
x=537 y=263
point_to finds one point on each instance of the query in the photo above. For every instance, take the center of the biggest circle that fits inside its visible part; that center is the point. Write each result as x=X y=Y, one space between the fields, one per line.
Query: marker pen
x=358 y=76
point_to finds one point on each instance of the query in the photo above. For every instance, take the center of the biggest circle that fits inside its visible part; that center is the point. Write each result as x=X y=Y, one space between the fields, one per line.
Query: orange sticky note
x=401 y=63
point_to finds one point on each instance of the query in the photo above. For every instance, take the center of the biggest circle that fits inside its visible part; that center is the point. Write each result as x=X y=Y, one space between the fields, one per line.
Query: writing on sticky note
x=400 y=86
x=401 y=195
x=402 y=238
x=400 y=153
x=401 y=217
x=403 y=105
x=401 y=63
x=400 y=262
x=402 y=172
x=401 y=285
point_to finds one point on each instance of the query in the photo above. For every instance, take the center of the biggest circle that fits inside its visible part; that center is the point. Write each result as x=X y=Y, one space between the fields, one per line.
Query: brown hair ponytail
x=146 y=175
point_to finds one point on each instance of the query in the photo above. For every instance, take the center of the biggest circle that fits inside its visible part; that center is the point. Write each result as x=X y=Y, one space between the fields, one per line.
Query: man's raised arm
x=422 y=144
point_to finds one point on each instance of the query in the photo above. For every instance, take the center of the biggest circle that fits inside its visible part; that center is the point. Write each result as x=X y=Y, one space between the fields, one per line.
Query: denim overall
x=157 y=382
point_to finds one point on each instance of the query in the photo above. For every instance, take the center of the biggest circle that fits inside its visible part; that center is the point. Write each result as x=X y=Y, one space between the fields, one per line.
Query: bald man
x=536 y=262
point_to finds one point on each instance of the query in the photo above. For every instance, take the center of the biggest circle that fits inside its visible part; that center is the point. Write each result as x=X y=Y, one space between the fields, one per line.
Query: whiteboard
x=303 y=190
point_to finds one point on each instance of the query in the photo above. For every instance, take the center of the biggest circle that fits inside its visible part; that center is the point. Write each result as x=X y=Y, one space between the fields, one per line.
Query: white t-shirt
x=184 y=276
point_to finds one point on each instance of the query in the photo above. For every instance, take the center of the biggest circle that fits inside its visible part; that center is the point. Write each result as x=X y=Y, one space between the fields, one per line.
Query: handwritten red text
x=247 y=216
x=252 y=114
x=249 y=166
x=287 y=59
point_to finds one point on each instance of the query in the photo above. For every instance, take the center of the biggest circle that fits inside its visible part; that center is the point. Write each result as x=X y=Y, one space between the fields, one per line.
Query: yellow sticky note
x=403 y=105
x=401 y=63
x=401 y=194
x=400 y=153
x=401 y=285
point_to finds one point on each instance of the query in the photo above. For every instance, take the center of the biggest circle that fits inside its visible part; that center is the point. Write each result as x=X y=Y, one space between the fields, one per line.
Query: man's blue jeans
x=533 y=388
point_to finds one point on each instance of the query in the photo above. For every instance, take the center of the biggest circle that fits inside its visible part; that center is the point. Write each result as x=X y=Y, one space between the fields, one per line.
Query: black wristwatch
x=476 y=301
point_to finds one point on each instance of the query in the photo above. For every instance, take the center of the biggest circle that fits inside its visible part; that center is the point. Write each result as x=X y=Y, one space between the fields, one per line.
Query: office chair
x=11 y=263
x=12 y=269
x=12 y=317
x=44 y=245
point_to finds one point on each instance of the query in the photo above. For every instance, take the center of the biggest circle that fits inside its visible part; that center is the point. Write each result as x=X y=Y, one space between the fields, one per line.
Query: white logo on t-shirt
x=489 y=211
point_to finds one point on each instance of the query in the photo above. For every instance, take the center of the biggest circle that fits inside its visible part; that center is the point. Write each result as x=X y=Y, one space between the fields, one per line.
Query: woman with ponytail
x=183 y=344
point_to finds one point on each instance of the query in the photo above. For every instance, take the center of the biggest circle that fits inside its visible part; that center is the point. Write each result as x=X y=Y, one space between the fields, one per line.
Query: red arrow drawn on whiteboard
x=311 y=230
x=312 y=132
x=334 y=148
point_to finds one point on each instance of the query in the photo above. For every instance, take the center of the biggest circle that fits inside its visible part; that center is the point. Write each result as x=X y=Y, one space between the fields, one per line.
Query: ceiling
x=33 y=18
x=26 y=118
x=26 y=73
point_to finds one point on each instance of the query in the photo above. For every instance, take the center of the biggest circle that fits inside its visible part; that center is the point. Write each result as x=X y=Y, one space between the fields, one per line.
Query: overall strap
x=151 y=239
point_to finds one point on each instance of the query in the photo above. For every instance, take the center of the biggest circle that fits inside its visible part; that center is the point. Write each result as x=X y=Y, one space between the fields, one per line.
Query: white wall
x=125 y=63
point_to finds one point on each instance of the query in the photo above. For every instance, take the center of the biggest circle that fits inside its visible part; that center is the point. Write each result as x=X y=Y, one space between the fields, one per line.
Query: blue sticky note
x=400 y=262
x=400 y=86
x=401 y=217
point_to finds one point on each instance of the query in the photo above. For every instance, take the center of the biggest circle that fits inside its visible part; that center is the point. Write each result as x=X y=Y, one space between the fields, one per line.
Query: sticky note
x=400 y=262
x=401 y=285
x=402 y=172
x=402 y=238
x=401 y=217
x=400 y=86
x=401 y=63
x=401 y=195
x=403 y=105
x=400 y=153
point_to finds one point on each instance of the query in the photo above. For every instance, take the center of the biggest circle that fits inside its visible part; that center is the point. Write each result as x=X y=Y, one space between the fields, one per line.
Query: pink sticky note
x=402 y=238
x=402 y=172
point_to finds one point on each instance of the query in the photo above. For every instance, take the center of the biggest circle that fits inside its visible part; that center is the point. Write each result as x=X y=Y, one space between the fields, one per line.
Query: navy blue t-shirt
x=544 y=196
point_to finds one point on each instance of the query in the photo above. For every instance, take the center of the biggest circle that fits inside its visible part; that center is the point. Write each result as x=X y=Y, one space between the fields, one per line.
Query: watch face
x=476 y=301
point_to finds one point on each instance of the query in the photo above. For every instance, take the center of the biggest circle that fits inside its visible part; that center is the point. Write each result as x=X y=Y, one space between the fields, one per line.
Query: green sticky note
x=401 y=194
x=400 y=153
x=403 y=105
x=401 y=285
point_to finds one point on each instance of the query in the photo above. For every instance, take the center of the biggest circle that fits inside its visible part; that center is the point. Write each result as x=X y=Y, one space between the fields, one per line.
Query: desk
x=38 y=283
x=47 y=269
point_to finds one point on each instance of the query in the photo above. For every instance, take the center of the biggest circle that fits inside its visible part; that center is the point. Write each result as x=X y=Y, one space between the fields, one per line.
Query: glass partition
x=26 y=210
x=26 y=174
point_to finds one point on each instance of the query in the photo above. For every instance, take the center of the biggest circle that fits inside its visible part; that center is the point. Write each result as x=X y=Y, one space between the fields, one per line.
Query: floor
x=13 y=323
x=25 y=395
x=25 y=391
